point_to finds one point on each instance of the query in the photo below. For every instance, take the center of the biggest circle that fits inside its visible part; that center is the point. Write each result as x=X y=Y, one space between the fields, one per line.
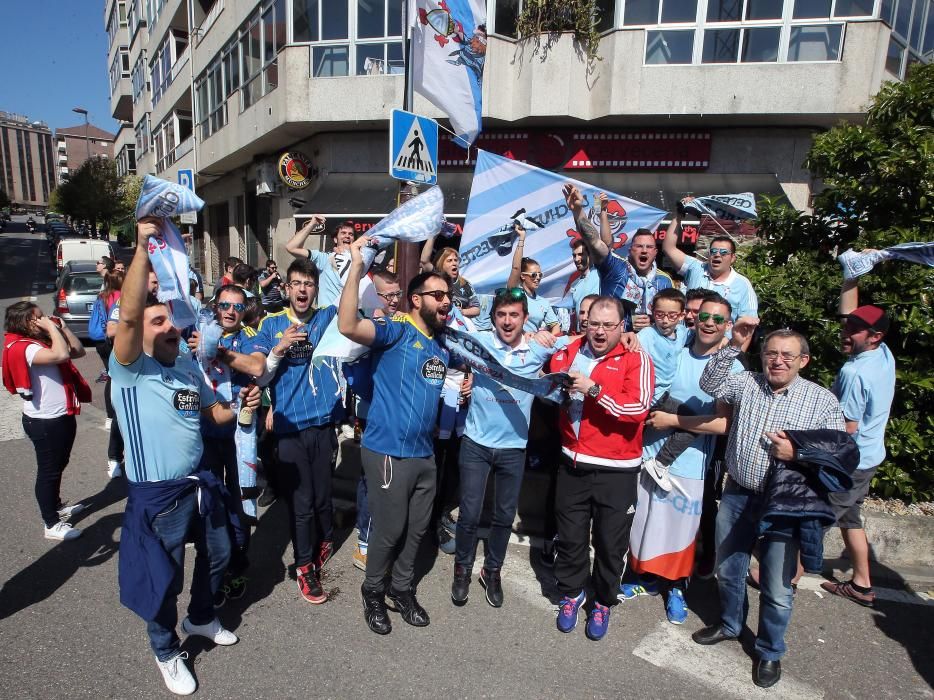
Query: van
x=81 y=249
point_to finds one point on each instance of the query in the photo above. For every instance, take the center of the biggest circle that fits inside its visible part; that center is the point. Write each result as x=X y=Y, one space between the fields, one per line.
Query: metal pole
x=87 y=141
x=407 y=254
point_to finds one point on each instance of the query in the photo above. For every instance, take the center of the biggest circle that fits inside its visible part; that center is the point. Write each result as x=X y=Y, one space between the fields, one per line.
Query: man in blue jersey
x=586 y=283
x=306 y=404
x=332 y=266
x=159 y=398
x=397 y=451
x=494 y=440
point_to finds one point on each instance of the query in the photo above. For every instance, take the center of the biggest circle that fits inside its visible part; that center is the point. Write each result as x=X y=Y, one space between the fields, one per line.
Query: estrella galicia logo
x=433 y=370
x=300 y=351
x=187 y=403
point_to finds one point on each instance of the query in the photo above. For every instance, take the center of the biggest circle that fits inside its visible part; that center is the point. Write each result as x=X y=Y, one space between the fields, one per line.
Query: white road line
x=723 y=668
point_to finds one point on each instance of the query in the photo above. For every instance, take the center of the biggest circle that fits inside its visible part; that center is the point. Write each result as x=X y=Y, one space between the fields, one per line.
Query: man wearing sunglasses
x=397 y=451
x=270 y=288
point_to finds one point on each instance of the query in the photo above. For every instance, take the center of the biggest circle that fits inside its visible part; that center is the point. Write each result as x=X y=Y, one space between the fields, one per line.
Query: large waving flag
x=505 y=191
x=448 y=52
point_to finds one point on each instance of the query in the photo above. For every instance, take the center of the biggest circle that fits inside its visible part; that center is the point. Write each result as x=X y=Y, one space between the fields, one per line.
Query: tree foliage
x=879 y=191
x=92 y=193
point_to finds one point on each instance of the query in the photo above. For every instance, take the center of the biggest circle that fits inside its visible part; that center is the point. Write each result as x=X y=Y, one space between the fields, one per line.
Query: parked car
x=80 y=249
x=77 y=289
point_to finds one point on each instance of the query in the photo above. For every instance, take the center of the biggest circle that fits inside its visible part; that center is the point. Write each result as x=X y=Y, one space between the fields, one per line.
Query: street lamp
x=87 y=141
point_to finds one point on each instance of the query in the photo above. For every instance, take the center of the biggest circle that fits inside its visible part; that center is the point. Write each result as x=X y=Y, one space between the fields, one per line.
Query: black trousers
x=604 y=499
x=53 y=439
x=305 y=480
x=220 y=458
x=115 y=443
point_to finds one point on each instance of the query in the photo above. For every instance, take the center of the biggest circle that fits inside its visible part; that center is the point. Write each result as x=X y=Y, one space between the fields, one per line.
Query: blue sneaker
x=628 y=591
x=675 y=607
x=597 y=622
x=567 y=611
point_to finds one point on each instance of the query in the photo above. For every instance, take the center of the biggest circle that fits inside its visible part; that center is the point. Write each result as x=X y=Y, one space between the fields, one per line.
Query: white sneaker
x=65 y=512
x=213 y=631
x=107 y=423
x=659 y=474
x=61 y=531
x=347 y=431
x=114 y=468
x=176 y=675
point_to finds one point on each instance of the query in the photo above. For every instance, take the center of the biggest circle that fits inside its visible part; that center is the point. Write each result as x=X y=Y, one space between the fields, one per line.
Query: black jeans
x=53 y=439
x=115 y=443
x=305 y=480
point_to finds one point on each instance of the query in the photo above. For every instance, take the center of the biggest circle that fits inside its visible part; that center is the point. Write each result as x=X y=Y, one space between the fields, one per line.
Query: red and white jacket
x=611 y=426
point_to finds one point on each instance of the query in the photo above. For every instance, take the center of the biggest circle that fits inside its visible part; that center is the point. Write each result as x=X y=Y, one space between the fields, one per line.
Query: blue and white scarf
x=858 y=264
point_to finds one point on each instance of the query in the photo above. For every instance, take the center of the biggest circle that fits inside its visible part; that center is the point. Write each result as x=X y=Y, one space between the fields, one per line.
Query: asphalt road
x=63 y=632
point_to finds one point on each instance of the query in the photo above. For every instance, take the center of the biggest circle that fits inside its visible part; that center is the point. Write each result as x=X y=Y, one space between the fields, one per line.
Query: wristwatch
x=594 y=391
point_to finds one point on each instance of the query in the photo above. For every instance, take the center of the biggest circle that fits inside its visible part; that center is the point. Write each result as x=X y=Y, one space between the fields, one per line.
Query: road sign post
x=186 y=178
x=413 y=147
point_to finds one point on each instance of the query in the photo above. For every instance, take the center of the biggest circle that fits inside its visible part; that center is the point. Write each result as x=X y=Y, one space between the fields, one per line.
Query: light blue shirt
x=584 y=286
x=541 y=315
x=498 y=417
x=665 y=352
x=685 y=387
x=330 y=280
x=736 y=289
x=865 y=387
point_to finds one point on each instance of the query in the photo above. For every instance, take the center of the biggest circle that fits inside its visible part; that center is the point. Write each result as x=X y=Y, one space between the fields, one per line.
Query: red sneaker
x=325 y=551
x=845 y=589
x=309 y=585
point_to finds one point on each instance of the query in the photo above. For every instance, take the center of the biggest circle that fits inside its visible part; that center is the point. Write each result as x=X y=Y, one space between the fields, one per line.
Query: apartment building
x=690 y=96
x=27 y=160
x=76 y=144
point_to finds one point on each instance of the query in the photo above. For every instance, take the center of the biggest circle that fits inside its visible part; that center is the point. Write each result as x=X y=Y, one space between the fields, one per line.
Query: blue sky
x=53 y=56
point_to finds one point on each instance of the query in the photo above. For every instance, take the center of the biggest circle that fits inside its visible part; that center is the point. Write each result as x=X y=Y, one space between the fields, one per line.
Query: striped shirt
x=757 y=409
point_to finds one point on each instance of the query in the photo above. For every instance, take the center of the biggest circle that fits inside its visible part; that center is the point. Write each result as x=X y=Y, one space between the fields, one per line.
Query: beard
x=430 y=319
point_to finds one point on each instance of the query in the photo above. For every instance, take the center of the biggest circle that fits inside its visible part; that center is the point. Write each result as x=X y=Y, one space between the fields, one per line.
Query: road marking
x=724 y=668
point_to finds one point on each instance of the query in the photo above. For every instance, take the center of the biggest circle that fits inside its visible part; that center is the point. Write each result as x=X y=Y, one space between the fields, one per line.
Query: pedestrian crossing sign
x=413 y=147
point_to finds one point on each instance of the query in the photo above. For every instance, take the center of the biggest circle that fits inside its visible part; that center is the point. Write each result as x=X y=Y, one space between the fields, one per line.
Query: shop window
x=669 y=46
x=815 y=42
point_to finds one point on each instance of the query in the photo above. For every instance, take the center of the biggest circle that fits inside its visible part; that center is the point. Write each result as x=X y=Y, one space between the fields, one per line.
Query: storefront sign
x=295 y=170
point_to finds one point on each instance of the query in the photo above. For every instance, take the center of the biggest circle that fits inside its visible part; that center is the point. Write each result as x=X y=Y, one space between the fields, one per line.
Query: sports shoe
x=62 y=531
x=309 y=585
x=567 y=611
x=213 y=630
x=101 y=378
x=845 y=589
x=449 y=524
x=597 y=622
x=374 y=610
x=176 y=675
x=675 y=608
x=492 y=584
x=405 y=603
x=266 y=498
x=114 y=468
x=65 y=512
x=460 y=586
x=446 y=543
x=325 y=552
x=628 y=591
x=220 y=597
x=359 y=557
x=658 y=472
x=235 y=586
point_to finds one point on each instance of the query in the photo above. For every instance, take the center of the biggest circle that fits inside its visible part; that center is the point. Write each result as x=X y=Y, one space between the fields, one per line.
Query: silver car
x=77 y=290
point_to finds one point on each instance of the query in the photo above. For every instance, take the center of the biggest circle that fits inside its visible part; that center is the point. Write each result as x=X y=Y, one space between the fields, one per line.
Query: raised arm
x=59 y=351
x=670 y=242
x=606 y=233
x=717 y=378
x=349 y=323
x=849 y=297
x=296 y=245
x=425 y=264
x=599 y=251
x=515 y=273
x=128 y=340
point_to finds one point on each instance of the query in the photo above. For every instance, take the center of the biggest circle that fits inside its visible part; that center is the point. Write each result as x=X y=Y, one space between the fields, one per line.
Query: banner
x=504 y=191
x=732 y=207
x=448 y=53
x=549 y=387
x=858 y=264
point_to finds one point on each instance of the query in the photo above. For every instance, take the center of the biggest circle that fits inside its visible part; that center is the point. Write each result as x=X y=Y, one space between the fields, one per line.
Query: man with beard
x=587 y=281
x=332 y=266
x=306 y=405
x=634 y=281
x=397 y=451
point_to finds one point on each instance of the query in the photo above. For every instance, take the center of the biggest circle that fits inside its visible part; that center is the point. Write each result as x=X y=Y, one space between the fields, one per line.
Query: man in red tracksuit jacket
x=601 y=445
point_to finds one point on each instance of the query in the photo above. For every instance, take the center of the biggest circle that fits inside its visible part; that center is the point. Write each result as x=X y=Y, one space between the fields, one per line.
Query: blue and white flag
x=504 y=191
x=163 y=199
x=448 y=52
x=858 y=264
x=731 y=207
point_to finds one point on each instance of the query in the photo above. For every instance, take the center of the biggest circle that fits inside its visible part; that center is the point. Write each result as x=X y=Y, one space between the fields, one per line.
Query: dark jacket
x=796 y=505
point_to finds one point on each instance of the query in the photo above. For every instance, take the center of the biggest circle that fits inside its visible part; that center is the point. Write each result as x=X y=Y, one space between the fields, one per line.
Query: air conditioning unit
x=267 y=179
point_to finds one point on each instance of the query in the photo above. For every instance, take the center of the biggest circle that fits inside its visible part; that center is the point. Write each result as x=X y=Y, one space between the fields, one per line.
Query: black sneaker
x=235 y=586
x=374 y=611
x=460 y=587
x=220 y=598
x=406 y=605
x=490 y=581
x=266 y=498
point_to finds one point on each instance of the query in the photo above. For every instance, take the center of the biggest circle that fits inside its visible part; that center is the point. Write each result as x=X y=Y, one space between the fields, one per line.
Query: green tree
x=92 y=193
x=879 y=191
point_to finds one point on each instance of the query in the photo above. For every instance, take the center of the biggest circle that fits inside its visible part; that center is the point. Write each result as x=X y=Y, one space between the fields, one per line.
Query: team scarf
x=729 y=207
x=640 y=290
x=245 y=444
x=163 y=199
x=858 y=264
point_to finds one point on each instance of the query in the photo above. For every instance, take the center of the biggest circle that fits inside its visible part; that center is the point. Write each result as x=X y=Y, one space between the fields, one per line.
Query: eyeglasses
x=670 y=315
x=721 y=251
x=516 y=293
x=228 y=305
x=596 y=325
x=437 y=295
x=533 y=275
x=300 y=284
x=705 y=316
x=771 y=355
x=389 y=296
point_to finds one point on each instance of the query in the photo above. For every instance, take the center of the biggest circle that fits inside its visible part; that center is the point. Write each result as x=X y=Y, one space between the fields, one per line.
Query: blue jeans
x=737 y=532
x=212 y=552
x=476 y=461
x=363 y=513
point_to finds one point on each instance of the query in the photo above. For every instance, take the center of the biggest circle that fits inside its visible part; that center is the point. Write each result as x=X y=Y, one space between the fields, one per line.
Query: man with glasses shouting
x=763 y=406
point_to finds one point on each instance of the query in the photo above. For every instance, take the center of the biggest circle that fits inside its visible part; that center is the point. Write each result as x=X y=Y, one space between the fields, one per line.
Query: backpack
x=97 y=324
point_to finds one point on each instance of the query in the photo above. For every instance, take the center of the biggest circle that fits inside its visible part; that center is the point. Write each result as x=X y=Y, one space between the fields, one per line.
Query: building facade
x=28 y=161
x=689 y=96
x=75 y=144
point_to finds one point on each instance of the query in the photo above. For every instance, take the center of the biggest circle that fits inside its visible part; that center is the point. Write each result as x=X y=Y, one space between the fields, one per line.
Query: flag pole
x=407 y=254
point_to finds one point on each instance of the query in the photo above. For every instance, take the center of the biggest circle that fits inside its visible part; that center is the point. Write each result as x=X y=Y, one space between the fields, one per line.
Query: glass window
x=279 y=8
x=885 y=13
x=371 y=19
x=721 y=45
x=394 y=18
x=606 y=14
x=724 y=11
x=764 y=9
x=815 y=43
x=893 y=59
x=679 y=11
x=811 y=9
x=330 y=61
x=668 y=47
x=852 y=8
x=269 y=37
x=760 y=44
x=903 y=17
x=305 y=20
x=928 y=42
x=371 y=59
x=231 y=69
x=334 y=19
x=505 y=17
x=396 y=61
x=914 y=41
x=641 y=12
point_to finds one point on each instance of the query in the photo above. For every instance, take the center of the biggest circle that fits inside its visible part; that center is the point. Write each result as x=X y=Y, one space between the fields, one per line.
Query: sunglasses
x=705 y=316
x=389 y=296
x=516 y=293
x=228 y=305
x=721 y=251
x=670 y=315
x=533 y=275
x=437 y=295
